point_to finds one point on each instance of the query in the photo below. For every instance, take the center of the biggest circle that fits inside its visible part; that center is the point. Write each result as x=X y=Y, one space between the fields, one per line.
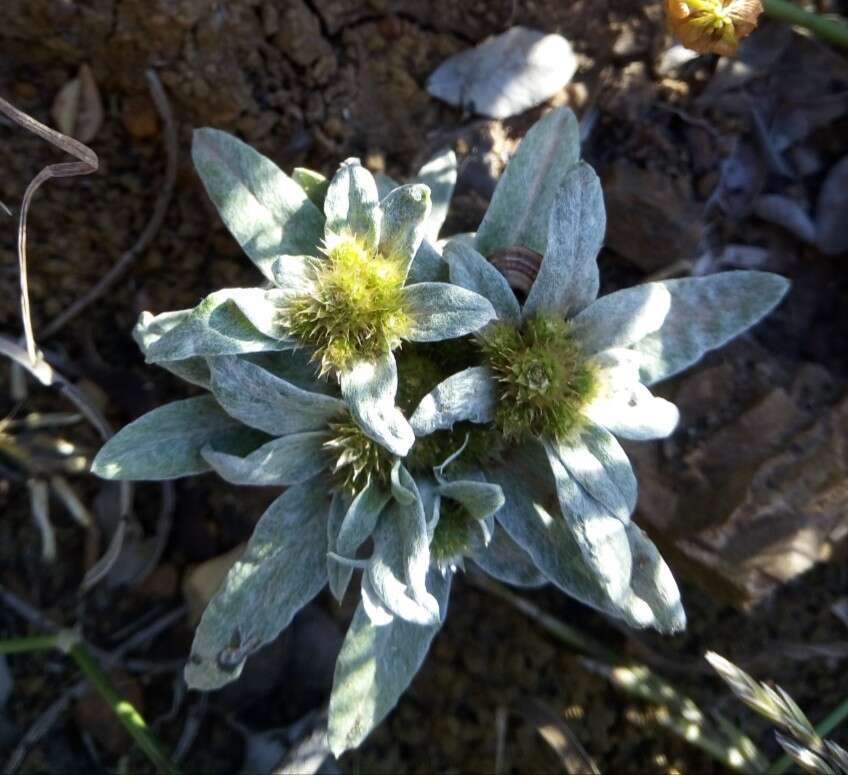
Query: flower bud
x=712 y=26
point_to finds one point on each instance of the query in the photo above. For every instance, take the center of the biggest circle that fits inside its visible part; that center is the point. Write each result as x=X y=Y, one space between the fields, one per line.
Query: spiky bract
x=358 y=458
x=355 y=308
x=545 y=380
x=456 y=534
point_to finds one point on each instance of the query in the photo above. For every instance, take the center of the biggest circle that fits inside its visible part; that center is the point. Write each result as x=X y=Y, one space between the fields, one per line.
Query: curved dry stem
x=87 y=164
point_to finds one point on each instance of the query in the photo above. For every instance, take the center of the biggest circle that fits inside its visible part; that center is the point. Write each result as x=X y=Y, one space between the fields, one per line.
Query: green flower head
x=560 y=376
x=510 y=458
x=341 y=277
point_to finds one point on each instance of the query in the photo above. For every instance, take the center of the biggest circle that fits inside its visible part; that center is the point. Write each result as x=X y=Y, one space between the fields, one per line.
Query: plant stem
x=126 y=713
x=675 y=711
x=32 y=643
x=828 y=724
x=825 y=28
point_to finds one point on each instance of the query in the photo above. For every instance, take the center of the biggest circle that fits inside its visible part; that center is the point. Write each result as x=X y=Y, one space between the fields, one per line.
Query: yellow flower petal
x=712 y=26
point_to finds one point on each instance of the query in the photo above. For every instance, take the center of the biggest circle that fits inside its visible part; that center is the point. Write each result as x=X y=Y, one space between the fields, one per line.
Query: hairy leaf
x=623 y=405
x=653 y=584
x=375 y=667
x=227 y=322
x=166 y=443
x=600 y=466
x=469 y=395
x=398 y=567
x=354 y=528
x=532 y=518
x=405 y=212
x=427 y=266
x=506 y=561
x=264 y=209
x=352 y=204
x=291 y=459
x=480 y=499
x=622 y=318
x=149 y=329
x=369 y=390
x=262 y=400
x=313 y=183
x=444 y=311
x=472 y=271
x=568 y=278
x=282 y=569
x=705 y=313
x=520 y=209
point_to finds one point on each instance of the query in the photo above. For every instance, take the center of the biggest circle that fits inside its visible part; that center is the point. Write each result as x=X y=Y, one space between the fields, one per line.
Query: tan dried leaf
x=712 y=26
x=78 y=109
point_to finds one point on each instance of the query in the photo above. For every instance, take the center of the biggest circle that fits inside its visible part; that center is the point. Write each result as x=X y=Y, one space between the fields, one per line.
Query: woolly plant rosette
x=560 y=376
x=510 y=457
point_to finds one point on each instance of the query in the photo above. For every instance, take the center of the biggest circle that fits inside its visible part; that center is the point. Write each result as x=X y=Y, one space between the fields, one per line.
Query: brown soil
x=310 y=82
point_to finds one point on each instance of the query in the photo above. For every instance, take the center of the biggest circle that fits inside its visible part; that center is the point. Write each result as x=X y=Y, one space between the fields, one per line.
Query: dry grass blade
x=675 y=712
x=87 y=164
x=807 y=760
x=805 y=746
x=775 y=704
x=559 y=736
x=838 y=755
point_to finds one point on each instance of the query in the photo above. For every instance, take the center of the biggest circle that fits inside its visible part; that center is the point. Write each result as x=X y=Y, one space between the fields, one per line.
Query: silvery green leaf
x=531 y=517
x=264 y=209
x=373 y=607
x=654 y=584
x=469 y=395
x=369 y=389
x=352 y=204
x=427 y=266
x=705 y=313
x=600 y=535
x=166 y=443
x=439 y=175
x=282 y=569
x=227 y=322
x=472 y=271
x=375 y=667
x=600 y=466
x=313 y=183
x=403 y=485
x=361 y=518
x=568 y=278
x=150 y=329
x=293 y=275
x=385 y=184
x=506 y=561
x=338 y=574
x=520 y=209
x=262 y=400
x=291 y=459
x=480 y=499
x=297 y=367
x=623 y=405
x=355 y=526
x=398 y=568
x=443 y=311
x=506 y=74
x=409 y=525
x=405 y=212
x=619 y=319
